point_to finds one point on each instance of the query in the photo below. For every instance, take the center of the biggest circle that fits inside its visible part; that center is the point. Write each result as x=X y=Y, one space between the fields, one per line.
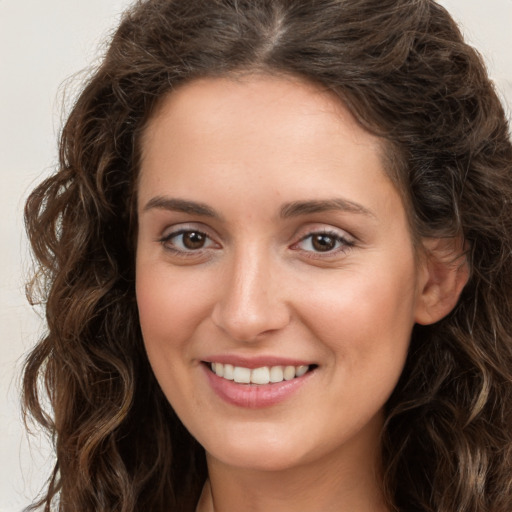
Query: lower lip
x=254 y=396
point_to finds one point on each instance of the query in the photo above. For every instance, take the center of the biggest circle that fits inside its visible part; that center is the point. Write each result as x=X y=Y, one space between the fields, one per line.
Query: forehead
x=205 y=104
x=258 y=131
x=254 y=109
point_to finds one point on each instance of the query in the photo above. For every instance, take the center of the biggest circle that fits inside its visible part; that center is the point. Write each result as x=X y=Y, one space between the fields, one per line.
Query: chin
x=260 y=454
x=258 y=460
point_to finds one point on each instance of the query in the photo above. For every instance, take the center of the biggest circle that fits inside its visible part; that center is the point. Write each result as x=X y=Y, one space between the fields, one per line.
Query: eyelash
x=343 y=244
x=165 y=240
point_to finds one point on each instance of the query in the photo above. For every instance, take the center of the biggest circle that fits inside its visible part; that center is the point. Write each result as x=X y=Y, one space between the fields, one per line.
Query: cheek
x=170 y=308
x=366 y=319
x=169 y=313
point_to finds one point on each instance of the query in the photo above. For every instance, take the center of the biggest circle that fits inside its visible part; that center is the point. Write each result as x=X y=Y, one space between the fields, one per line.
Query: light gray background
x=42 y=44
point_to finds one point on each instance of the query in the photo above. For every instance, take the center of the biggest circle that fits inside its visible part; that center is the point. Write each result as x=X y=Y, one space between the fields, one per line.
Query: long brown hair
x=403 y=69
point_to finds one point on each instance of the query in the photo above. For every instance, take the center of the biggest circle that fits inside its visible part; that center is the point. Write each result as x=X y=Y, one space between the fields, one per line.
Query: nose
x=251 y=301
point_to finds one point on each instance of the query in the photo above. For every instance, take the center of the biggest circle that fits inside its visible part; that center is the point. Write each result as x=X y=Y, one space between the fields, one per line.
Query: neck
x=321 y=486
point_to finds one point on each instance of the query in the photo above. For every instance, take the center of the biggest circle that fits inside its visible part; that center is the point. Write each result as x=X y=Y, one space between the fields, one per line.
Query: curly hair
x=404 y=71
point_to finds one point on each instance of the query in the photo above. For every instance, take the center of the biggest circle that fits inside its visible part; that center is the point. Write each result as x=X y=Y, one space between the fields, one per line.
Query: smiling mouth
x=261 y=376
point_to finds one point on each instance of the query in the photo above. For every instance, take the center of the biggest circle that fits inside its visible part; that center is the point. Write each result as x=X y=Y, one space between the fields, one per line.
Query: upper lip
x=256 y=362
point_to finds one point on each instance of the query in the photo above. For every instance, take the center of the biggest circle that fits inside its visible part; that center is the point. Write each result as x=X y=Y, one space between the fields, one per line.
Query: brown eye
x=187 y=241
x=193 y=240
x=323 y=243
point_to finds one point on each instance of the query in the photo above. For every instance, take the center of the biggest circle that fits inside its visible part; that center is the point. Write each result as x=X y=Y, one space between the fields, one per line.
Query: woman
x=276 y=266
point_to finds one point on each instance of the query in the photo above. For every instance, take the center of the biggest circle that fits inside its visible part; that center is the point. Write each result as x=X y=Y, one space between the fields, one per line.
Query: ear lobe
x=445 y=273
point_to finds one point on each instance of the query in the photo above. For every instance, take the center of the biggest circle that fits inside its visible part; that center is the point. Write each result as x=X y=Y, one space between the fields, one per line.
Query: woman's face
x=272 y=243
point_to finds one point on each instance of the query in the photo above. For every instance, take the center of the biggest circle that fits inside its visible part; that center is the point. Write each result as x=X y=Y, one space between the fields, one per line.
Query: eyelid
x=324 y=228
x=346 y=240
x=179 y=229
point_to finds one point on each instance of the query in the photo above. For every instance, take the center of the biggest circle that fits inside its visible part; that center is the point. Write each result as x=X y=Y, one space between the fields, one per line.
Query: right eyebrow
x=180 y=205
x=298 y=208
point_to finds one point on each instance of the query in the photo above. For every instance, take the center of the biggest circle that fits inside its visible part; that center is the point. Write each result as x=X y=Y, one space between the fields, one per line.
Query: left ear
x=445 y=272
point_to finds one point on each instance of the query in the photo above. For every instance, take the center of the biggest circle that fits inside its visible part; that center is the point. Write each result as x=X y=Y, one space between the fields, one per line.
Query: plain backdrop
x=44 y=45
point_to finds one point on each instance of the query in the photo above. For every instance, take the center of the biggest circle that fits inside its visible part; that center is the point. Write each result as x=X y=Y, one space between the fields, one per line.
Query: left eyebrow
x=298 y=208
x=180 y=205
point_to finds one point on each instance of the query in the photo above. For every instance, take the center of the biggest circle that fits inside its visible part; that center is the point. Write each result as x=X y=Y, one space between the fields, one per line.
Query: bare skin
x=270 y=231
x=336 y=489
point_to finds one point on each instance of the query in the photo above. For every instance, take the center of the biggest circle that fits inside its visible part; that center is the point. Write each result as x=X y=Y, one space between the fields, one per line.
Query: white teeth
x=262 y=375
x=289 y=372
x=276 y=374
x=301 y=370
x=218 y=369
x=228 y=371
x=242 y=375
